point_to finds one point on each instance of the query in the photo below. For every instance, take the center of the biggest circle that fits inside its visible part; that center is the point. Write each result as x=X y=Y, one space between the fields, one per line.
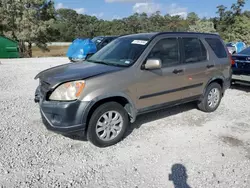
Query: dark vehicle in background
x=102 y=41
x=241 y=67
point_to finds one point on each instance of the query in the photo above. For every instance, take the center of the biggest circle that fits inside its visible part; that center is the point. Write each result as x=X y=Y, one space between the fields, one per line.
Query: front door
x=161 y=86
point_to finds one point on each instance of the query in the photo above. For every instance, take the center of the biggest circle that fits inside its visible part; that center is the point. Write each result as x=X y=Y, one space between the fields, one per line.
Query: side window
x=194 y=50
x=167 y=50
x=105 y=42
x=217 y=47
x=109 y=40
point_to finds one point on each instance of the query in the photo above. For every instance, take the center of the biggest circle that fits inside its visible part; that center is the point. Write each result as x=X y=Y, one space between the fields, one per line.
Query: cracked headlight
x=68 y=91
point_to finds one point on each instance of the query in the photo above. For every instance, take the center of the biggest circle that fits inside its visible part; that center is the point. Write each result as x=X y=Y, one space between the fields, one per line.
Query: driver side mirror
x=152 y=64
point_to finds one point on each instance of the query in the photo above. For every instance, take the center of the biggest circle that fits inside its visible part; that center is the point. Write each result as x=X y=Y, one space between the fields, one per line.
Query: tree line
x=37 y=22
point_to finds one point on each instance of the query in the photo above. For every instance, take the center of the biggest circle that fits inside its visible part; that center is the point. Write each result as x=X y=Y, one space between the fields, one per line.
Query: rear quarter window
x=217 y=47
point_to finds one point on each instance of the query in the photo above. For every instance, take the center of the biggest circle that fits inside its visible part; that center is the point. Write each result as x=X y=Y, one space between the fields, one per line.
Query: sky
x=116 y=9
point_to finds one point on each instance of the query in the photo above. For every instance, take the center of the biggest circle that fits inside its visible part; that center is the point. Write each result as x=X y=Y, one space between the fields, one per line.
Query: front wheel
x=211 y=99
x=107 y=124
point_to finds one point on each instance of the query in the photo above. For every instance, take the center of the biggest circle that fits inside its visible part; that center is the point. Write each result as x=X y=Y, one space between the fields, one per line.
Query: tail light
x=231 y=58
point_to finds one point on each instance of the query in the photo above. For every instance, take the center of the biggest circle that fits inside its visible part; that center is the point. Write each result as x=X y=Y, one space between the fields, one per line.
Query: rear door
x=199 y=66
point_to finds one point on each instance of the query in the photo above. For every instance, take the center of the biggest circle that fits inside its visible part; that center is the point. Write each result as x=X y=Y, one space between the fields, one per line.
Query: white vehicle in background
x=231 y=48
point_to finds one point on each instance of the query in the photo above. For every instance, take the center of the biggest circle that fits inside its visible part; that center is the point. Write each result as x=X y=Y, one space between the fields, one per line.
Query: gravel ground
x=178 y=146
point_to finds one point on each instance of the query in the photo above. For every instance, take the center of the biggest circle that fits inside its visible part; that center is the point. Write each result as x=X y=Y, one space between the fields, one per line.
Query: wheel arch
x=122 y=99
x=219 y=80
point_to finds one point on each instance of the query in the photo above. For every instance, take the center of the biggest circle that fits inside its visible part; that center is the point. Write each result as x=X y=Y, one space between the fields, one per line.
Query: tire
x=203 y=105
x=97 y=116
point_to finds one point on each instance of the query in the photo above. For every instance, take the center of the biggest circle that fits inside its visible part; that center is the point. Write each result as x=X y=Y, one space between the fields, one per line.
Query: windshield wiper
x=118 y=65
x=105 y=63
x=100 y=62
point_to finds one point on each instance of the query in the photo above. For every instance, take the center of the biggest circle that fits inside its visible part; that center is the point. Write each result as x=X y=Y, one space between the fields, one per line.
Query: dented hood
x=74 y=71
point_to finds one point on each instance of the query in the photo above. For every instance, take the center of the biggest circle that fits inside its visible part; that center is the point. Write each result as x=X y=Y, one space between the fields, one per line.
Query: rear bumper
x=241 y=72
x=241 y=78
x=63 y=117
x=240 y=75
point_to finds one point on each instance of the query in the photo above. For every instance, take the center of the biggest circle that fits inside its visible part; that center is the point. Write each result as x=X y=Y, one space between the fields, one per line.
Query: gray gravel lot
x=213 y=149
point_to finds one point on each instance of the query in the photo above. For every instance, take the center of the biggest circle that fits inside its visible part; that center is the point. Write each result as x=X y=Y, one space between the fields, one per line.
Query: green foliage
x=227 y=24
x=36 y=21
x=233 y=24
x=72 y=25
x=203 y=27
x=28 y=21
x=192 y=18
x=240 y=30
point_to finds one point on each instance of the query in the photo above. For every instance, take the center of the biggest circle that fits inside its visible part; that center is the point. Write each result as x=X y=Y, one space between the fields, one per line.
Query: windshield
x=245 y=51
x=120 y=52
x=97 y=40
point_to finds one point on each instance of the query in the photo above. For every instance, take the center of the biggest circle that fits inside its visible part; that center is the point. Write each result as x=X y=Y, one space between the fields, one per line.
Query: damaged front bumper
x=62 y=117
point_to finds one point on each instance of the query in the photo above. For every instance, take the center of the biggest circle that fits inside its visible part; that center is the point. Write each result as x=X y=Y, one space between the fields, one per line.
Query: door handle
x=210 y=66
x=177 y=71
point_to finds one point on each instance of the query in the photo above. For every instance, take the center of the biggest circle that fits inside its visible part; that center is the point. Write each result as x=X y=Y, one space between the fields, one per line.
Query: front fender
x=130 y=107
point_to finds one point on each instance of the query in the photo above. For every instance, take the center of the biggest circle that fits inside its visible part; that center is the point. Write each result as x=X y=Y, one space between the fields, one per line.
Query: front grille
x=243 y=65
x=242 y=58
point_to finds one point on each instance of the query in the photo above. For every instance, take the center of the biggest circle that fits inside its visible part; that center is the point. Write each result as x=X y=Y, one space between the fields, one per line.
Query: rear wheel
x=211 y=99
x=107 y=124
